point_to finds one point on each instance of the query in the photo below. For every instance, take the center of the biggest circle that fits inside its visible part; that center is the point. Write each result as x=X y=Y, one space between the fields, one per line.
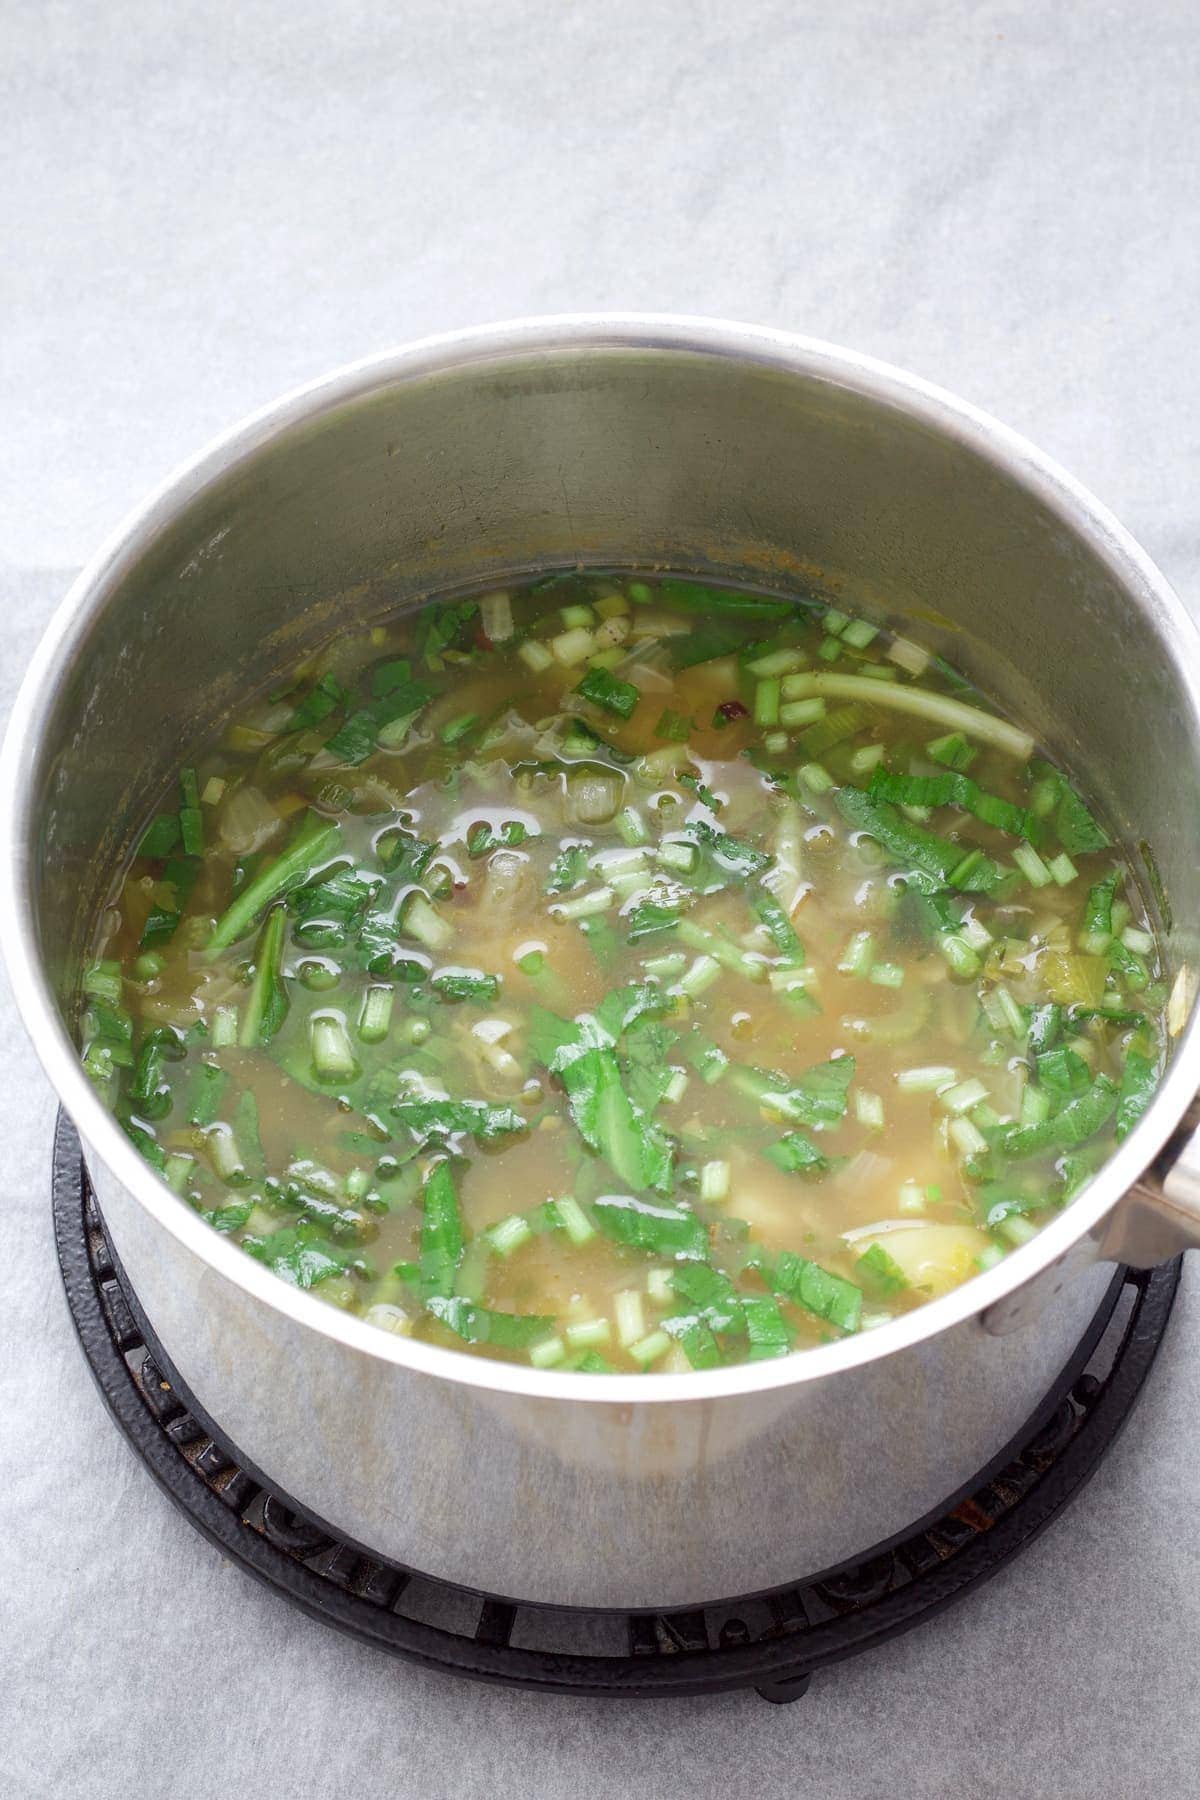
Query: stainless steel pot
x=597 y=439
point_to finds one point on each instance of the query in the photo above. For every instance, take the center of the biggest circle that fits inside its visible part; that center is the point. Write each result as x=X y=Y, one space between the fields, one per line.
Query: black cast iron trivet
x=772 y=1641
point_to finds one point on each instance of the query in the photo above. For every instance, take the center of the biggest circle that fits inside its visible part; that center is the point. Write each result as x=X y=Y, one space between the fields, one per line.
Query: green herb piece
x=711 y=1293
x=325 y=695
x=314 y=843
x=796 y=1154
x=954 y=789
x=267 y=1005
x=442 y=1238
x=953 y=750
x=426 y=1120
x=769 y=1333
x=480 y=1325
x=569 y=868
x=736 y=860
x=149 y=1089
x=1095 y=930
x=443 y=626
x=1139 y=1079
x=299 y=1254
x=387 y=715
x=178 y=880
x=1078 y=832
x=673 y=727
x=817 y=1097
x=703 y=793
x=695 y=1338
x=927 y=856
x=160 y=836
x=466 y=984
x=770 y=914
x=610 y=692
x=650 y=917
x=1077 y=1120
x=191 y=819
x=1062 y=1071
x=697 y=596
x=819 y=1290
x=880 y=1274
x=645 y=1225
x=705 y=642
x=205 y=1093
x=1045 y=1027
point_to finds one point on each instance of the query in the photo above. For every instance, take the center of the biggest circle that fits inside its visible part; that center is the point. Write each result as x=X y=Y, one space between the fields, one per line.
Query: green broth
x=624 y=973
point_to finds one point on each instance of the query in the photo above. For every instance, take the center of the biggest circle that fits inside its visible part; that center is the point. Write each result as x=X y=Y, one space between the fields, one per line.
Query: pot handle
x=1158 y=1218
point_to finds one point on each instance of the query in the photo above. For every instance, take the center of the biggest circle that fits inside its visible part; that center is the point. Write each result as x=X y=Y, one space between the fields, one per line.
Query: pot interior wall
x=614 y=455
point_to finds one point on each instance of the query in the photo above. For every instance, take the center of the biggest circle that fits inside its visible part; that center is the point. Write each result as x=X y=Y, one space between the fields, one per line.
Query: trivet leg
x=782 y=1693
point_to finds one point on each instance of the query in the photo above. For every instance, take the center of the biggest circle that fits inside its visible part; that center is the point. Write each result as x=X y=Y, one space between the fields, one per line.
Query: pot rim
x=599 y=332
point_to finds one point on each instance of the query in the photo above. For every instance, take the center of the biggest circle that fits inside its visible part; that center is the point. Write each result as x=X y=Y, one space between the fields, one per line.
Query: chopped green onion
x=547 y=1352
x=858 y=633
x=631 y=827
x=953 y=713
x=509 y=1234
x=969 y=1139
x=926 y=1080
x=679 y=856
x=376 y=1014
x=959 y=955
x=766 y=702
x=703 y=972
x=585 y=1334
x=963 y=1096
x=886 y=974
x=313 y=845
x=648 y=1349
x=584 y=906
x=857 y=957
x=869 y=757
x=421 y=921
x=333 y=1057
x=574 y=1220
x=1032 y=866
x=630 y=1319
x=952 y=750
x=777 y=662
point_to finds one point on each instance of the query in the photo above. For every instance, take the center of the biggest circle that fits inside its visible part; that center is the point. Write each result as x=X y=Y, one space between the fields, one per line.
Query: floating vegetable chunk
x=624 y=973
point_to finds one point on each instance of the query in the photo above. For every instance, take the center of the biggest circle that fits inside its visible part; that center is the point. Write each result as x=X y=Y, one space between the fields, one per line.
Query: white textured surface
x=204 y=205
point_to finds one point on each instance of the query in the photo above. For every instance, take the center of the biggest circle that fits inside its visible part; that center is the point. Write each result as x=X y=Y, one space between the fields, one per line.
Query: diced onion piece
x=389 y=1317
x=593 y=796
x=535 y=656
x=631 y=1319
x=572 y=647
x=496 y=617
x=934 y=1257
x=908 y=655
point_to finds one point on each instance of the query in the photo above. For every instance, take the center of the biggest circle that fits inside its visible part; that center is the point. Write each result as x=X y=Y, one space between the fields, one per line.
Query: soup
x=623 y=973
